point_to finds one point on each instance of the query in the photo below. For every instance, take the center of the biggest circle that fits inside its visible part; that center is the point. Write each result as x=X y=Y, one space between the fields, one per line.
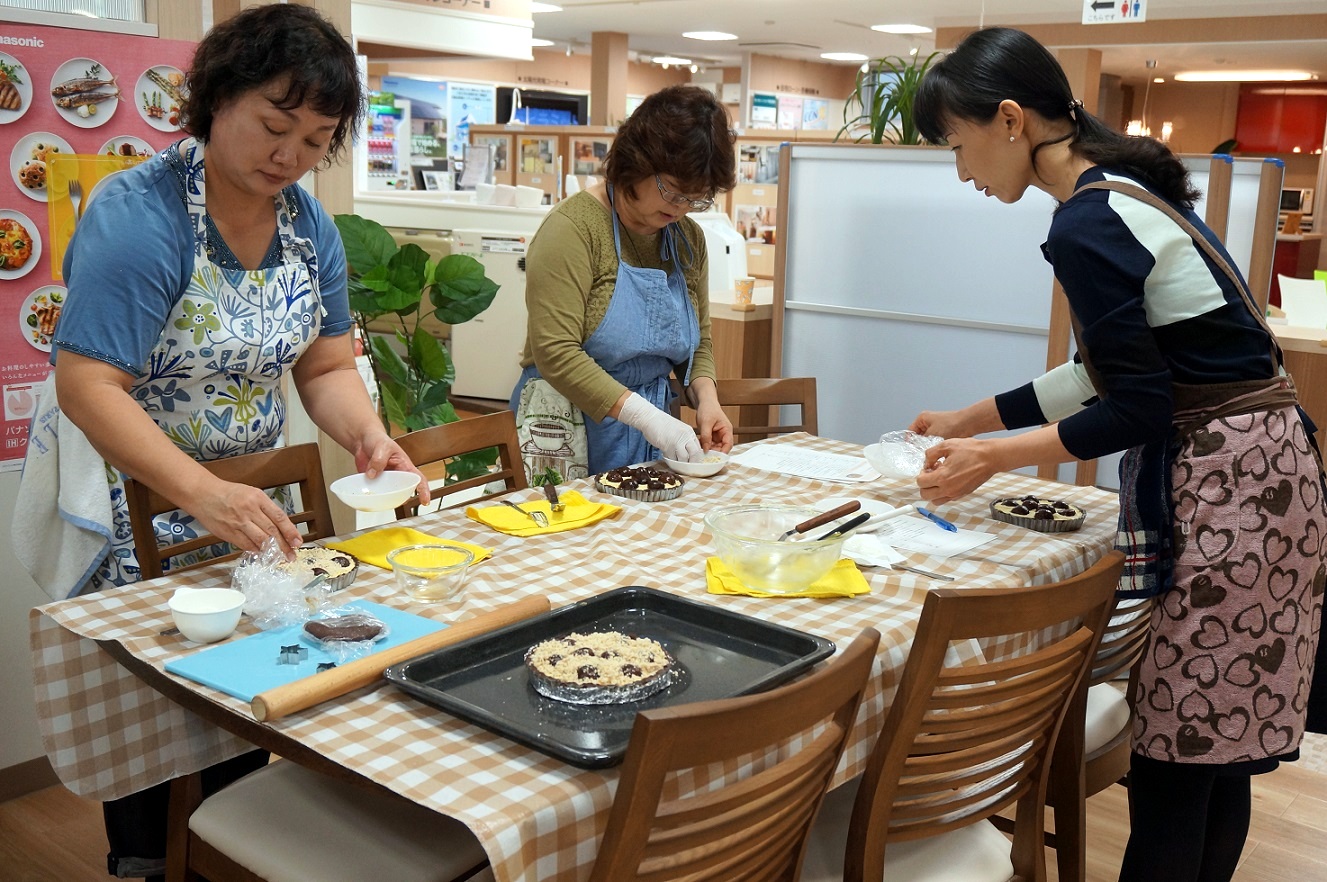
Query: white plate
x=145 y=86
x=140 y=147
x=46 y=295
x=23 y=154
x=24 y=88
x=77 y=68
x=33 y=233
x=879 y=511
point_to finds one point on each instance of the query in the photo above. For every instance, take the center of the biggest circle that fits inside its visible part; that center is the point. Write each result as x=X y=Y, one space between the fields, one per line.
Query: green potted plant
x=882 y=101
x=413 y=370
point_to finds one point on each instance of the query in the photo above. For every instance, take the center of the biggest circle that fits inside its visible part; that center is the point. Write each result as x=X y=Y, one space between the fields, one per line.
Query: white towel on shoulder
x=63 y=521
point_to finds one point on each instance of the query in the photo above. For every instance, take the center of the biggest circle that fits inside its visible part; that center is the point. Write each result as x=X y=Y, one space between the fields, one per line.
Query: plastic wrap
x=900 y=454
x=274 y=596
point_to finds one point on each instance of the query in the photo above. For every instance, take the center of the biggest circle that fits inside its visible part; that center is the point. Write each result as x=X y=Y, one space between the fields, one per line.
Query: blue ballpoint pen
x=936 y=519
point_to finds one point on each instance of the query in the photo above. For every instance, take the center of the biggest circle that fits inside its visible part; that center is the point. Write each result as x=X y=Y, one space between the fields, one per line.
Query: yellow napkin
x=373 y=546
x=579 y=512
x=843 y=580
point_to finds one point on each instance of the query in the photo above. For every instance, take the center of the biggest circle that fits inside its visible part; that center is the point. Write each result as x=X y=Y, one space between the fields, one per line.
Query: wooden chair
x=754 y=397
x=432 y=447
x=299 y=465
x=755 y=828
x=287 y=823
x=963 y=741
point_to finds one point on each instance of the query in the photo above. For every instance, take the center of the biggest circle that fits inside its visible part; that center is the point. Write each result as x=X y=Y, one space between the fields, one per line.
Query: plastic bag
x=274 y=596
x=345 y=633
x=900 y=454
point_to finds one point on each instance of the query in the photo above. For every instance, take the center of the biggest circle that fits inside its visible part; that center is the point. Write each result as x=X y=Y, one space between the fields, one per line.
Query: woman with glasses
x=618 y=299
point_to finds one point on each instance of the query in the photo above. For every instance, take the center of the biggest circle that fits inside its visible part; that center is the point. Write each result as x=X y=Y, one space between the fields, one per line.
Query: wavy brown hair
x=682 y=132
x=263 y=44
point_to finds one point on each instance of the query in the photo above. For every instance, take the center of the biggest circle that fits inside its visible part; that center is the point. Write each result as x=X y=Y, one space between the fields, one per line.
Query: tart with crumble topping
x=603 y=667
x=644 y=483
x=1035 y=513
x=315 y=560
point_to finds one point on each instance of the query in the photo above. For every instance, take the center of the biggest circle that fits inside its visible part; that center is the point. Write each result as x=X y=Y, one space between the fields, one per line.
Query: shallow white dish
x=712 y=463
x=386 y=491
x=879 y=511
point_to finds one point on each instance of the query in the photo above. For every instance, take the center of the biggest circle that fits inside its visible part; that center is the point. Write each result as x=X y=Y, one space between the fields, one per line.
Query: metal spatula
x=820 y=519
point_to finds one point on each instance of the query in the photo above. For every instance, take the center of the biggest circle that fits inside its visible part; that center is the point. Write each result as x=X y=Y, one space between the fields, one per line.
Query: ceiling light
x=536 y=41
x=671 y=59
x=1242 y=76
x=843 y=56
x=900 y=29
x=709 y=35
x=1158 y=79
x=544 y=7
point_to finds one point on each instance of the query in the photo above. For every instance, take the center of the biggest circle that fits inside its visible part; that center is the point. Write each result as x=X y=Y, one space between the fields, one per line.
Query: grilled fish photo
x=82 y=99
x=81 y=84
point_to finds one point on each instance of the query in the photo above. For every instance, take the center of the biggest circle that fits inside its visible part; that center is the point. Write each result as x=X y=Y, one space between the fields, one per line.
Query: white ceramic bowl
x=206 y=615
x=746 y=537
x=711 y=464
x=388 y=490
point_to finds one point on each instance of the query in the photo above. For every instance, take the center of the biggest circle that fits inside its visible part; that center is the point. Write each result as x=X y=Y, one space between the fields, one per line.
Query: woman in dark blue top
x=1221 y=511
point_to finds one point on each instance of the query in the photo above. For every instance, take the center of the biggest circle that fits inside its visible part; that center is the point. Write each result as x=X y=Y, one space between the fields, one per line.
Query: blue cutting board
x=247 y=666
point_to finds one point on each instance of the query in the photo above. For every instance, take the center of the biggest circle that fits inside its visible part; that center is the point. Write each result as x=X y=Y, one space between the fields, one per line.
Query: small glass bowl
x=431 y=573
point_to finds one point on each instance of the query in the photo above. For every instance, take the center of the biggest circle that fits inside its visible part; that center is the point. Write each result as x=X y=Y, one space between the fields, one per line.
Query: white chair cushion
x=1107 y=715
x=289 y=824
x=976 y=853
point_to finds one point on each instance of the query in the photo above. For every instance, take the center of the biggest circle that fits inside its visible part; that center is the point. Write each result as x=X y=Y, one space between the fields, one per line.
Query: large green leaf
x=432 y=416
x=392 y=404
x=388 y=361
x=430 y=357
x=434 y=394
x=460 y=289
x=367 y=243
x=471 y=465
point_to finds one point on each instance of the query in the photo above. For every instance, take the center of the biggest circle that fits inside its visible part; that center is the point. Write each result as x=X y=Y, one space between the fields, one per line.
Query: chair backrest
x=1304 y=301
x=299 y=465
x=438 y=444
x=755 y=397
x=756 y=827
x=962 y=741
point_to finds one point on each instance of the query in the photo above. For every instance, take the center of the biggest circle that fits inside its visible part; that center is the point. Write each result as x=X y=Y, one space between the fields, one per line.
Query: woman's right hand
x=245 y=517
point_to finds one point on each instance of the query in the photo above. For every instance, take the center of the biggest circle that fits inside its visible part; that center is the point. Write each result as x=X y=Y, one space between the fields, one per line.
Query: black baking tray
x=721 y=654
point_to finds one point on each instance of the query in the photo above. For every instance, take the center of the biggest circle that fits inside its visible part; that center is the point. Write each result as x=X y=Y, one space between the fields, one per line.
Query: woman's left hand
x=713 y=427
x=377 y=453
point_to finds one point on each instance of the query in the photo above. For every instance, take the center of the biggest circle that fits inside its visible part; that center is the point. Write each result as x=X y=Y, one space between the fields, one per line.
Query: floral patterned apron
x=213 y=379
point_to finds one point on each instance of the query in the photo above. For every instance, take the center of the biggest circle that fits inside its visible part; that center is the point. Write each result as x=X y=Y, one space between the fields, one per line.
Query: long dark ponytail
x=995 y=64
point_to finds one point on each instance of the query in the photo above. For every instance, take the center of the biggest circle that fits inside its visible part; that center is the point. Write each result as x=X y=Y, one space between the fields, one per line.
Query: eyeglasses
x=678 y=199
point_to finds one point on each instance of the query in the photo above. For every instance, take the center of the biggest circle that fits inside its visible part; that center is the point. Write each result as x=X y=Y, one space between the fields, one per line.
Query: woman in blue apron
x=617 y=295
x=196 y=281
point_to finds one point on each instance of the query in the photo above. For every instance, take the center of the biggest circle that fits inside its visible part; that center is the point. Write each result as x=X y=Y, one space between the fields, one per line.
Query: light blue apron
x=649 y=327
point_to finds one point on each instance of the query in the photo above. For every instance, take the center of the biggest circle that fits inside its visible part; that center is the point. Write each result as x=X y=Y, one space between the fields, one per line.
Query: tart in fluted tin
x=314 y=560
x=643 y=483
x=1042 y=515
x=601 y=667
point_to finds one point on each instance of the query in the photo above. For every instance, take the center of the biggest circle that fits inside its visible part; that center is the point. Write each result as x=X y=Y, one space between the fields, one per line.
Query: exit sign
x=1114 y=11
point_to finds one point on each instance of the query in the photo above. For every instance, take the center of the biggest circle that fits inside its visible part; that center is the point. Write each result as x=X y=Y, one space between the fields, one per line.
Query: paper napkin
x=579 y=512
x=843 y=580
x=372 y=547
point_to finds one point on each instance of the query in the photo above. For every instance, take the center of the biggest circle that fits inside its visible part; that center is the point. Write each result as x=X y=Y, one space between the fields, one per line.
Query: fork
x=538 y=517
x=75 y=196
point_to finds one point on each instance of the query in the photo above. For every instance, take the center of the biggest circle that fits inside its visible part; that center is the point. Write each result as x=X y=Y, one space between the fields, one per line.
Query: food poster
x=64 y=93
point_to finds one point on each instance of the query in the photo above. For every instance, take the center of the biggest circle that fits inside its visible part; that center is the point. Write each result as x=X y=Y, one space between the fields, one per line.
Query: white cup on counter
x=484 y=193
x=528 y=197
x=504 y=194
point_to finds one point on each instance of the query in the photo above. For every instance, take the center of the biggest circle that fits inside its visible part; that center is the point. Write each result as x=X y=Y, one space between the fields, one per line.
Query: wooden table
x=109 y=733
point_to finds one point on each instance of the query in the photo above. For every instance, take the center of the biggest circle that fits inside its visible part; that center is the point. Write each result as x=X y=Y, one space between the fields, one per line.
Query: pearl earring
x=1011 y=139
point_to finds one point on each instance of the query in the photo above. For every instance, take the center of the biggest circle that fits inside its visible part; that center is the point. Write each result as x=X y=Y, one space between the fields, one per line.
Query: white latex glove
x=674 y=438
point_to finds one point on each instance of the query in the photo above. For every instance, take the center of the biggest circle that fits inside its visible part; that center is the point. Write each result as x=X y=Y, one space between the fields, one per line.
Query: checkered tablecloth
x=108 y=734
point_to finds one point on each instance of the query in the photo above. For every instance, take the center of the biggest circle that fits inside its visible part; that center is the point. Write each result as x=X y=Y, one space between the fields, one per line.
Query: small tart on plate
x=1035 y=513
x=644 y=483
x=603 y=667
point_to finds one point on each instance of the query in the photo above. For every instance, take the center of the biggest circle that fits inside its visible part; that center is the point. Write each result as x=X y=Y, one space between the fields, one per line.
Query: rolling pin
x=283 y=700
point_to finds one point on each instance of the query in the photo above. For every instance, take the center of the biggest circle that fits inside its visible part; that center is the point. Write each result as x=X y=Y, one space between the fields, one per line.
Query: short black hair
x=278 y=42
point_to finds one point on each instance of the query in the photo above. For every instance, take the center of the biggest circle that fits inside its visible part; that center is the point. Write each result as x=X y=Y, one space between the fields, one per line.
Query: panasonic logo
x=32 y=42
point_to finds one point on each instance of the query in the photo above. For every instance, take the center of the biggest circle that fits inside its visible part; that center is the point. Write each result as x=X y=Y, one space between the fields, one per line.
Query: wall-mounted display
x=587 y=155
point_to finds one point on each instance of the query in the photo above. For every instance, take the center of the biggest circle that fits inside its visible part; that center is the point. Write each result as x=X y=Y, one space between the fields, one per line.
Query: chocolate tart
x=1035 y=513
x=643 y=483
x=314 y=560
